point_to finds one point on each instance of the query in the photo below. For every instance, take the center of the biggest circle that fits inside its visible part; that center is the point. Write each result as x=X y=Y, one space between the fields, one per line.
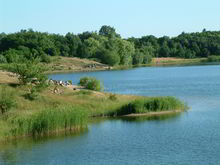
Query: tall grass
x=49 y=121
x=153 y=104
x=7 y=100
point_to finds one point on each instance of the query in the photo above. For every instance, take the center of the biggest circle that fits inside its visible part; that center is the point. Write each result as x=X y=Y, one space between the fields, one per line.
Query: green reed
x=49 y=121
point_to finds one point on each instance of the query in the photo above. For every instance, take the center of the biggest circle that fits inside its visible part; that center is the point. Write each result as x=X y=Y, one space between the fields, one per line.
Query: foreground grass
x=69 y=111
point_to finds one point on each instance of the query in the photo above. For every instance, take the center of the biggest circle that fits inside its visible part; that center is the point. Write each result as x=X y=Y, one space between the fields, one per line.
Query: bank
x=70 y=109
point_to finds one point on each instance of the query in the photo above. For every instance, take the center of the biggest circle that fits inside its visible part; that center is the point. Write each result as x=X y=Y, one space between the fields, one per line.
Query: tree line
x=106 y=46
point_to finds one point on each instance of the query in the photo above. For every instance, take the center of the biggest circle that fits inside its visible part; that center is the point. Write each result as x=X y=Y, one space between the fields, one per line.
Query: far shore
x=72 y=65
x=82 y=66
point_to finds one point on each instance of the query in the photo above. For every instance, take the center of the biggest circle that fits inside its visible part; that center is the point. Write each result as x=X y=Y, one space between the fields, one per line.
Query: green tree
x=108 y=31
x=125 y=51
x=29 y=72
x=138 y=58
x=109 y=57
x=91 y=46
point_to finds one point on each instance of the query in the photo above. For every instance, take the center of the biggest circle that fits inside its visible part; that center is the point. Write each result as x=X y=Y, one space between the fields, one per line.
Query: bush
x=2 y=59
x=28 y=72
x=45 y=58
x=70 y=81
x=91 y=83
x=32 y=95
x=6 y=99
x=112 y=97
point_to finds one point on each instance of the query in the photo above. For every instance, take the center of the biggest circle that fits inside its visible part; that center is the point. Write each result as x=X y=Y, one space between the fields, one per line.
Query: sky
x=130 y=18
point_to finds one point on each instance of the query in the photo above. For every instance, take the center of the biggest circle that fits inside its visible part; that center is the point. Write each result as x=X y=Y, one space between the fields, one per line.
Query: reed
x=49 y=121
x=69 y=111
x=152 y=104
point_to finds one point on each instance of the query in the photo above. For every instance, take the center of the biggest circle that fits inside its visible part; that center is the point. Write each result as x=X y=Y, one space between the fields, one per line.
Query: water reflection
x=160 y=117
x=153 y=117
x=10 y=150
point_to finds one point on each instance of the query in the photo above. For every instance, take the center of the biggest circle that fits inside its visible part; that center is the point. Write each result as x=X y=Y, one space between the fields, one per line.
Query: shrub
x=45 y=58
x=28 y=71
x=32 y=95
x=70 y=81
x=112 y=97
x=6 y=99
x=91 y=83
x=84 y=81
x=2 y=59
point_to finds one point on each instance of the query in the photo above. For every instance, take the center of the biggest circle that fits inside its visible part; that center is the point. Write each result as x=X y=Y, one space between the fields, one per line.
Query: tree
x=28 y=72
x=125 y=51
x=138 y=58
x=109 y=57
x=108 y=31
x=74 y=45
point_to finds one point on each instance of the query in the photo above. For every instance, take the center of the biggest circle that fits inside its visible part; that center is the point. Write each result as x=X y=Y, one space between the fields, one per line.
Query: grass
x=69 y=64
x=69 y=111
x=174 y=61
x=48 y=121
x=51 y=113
x=152 y=104
x=164 y=62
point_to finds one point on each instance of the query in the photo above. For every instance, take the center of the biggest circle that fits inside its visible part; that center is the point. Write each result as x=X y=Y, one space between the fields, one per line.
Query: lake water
x=191 y=138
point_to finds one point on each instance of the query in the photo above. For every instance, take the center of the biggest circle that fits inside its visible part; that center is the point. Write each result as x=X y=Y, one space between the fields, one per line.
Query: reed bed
x=49 y=121
x=151 y=104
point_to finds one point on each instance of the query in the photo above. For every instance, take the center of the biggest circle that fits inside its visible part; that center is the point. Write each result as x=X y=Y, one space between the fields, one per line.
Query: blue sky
x=129 y=17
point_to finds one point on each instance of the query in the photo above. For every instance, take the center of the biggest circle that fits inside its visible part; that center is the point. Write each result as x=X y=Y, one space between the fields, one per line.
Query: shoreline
x=153 y=113
x=77 y=129
x=161 y=62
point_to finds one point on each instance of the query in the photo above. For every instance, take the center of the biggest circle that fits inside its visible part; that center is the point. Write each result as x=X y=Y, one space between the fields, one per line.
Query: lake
x=190 y=138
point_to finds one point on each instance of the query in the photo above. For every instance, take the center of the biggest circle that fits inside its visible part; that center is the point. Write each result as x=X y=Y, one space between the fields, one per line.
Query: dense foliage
x=106 y=46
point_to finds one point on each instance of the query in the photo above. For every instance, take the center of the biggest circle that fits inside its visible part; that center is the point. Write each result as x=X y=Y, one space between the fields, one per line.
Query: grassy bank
x=73 y=64
x=151 y=104
x=68 y=64
x=69 y=111
x=166 y=62
x=176 y=61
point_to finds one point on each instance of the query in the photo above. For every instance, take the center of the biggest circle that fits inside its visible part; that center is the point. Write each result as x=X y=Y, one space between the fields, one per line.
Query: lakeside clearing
x=69 y=64
x=70 y=109
x=74 y=64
